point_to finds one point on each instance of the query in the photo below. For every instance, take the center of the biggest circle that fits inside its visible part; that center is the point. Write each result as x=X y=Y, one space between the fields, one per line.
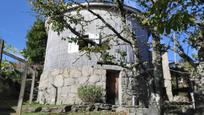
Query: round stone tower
x=66 y=67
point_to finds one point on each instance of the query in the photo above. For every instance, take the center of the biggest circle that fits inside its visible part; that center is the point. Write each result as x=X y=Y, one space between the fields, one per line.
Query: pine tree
x=36 y=42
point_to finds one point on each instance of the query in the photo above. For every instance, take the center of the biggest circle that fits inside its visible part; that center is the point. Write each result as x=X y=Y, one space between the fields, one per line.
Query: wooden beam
x=14 y=56
x=22 y=91
x=32 y=86
x=24 y=76
x=1 y=50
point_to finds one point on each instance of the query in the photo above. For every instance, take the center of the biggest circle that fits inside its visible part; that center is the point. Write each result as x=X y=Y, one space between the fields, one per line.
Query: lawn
x=78 y=113
x=10 y=105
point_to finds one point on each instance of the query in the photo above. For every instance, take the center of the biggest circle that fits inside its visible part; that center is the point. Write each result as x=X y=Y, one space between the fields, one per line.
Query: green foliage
x=10 y=48
x=97 y=48
x=9 y=71
x=196 y=39
x=55 y=11
x=123 y=54
x=107 y=57
x=90 y=93
x=167 y=15
x=182 y=17
x=36 y=42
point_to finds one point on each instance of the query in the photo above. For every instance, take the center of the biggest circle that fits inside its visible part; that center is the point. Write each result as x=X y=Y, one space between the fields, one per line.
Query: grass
x=38 y=114
x=34 y=105
x=10 y=103
x=7 y=107
x=78 y=113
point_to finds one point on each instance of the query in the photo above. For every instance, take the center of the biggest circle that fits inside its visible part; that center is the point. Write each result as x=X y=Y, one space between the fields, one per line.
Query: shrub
x=90 y=93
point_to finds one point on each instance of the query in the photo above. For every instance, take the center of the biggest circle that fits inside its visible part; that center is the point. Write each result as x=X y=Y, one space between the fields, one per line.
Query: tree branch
x=182 y=53
x=104 y=21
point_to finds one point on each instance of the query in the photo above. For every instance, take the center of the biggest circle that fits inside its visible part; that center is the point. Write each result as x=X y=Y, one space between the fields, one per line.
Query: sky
x=16 y=18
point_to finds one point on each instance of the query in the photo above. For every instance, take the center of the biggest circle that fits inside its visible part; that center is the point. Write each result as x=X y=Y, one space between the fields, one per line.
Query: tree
x=36 y=43
x=169 y=16
x=165 y=16
x=162 y=17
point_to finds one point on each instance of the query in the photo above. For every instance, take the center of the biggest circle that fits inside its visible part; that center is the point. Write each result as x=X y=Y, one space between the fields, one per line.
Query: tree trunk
x=167 y=76
x=156 y=94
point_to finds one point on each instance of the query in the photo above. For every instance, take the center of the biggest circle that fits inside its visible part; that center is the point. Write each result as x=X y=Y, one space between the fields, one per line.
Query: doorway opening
x=112 y=87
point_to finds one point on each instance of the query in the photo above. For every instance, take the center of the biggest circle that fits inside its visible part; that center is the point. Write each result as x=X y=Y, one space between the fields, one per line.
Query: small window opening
x=88 y=41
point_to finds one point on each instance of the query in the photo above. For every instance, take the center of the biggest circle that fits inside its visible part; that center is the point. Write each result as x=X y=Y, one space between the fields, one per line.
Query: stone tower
x=66 y=68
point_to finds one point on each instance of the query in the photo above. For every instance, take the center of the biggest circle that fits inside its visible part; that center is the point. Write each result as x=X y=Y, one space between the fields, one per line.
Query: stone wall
x=134 y=86
x=127 y=86
x=60 y=86
x=199 y=86
x=200 y=78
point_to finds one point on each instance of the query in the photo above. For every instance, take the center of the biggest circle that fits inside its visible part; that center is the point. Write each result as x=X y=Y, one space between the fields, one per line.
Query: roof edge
x=101 y=5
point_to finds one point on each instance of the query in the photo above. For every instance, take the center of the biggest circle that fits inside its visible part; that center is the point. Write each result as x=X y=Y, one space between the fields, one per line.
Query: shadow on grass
x=7 y=106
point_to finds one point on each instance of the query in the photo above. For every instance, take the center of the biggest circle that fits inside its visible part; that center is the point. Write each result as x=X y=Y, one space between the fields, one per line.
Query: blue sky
x=16 y=18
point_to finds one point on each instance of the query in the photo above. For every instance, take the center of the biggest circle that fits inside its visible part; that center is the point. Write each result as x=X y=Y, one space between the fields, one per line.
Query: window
x=90 y=40
x=73 y=47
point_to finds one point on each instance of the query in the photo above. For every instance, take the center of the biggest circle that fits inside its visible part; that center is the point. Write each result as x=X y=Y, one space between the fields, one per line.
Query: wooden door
x=112 y=85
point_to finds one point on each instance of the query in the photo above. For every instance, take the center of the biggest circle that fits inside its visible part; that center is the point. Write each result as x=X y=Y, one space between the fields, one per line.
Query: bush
x=90 y=93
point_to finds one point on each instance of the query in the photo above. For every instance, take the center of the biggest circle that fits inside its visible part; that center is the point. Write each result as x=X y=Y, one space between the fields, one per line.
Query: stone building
x=66 y=68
